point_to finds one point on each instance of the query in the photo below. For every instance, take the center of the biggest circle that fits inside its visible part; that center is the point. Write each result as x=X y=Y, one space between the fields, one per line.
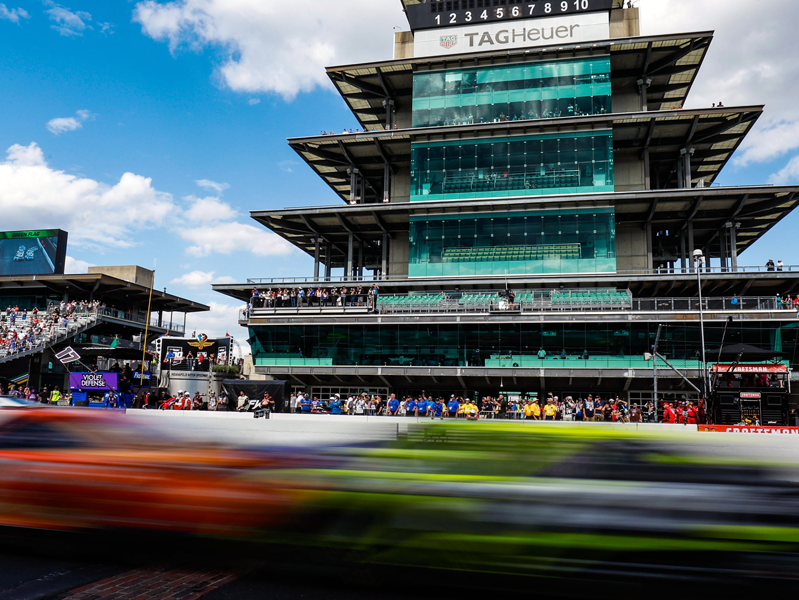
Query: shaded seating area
x=607 y=298
x=511 y=253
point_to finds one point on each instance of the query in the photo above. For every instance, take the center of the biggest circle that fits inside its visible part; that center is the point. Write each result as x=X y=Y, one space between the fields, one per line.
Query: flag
x=115 y=343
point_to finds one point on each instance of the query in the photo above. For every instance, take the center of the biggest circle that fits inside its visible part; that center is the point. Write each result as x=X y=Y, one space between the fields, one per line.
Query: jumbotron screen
x=37 y=252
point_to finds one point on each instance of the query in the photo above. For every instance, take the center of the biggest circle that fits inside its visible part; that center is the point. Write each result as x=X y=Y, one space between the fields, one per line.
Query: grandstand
x=483 y=170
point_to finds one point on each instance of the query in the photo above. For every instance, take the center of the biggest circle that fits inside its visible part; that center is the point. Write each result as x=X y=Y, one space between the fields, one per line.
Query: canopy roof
x=713 y=134
x=112 y=291
x=756 y=209
x=671 y=62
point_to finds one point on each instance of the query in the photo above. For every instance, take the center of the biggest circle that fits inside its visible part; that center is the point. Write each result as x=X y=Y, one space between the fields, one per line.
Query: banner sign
x=94 y=382
x=750 y=395
x=751 y=368
x=18 y=235
x=530 y=33
x=769 y=429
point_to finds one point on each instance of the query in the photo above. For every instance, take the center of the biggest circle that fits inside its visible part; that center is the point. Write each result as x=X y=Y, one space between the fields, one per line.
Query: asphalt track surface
x=8 y=266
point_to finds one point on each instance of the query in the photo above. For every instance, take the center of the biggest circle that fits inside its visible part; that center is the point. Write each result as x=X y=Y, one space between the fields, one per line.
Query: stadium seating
x=511 y=253
x=600 y=298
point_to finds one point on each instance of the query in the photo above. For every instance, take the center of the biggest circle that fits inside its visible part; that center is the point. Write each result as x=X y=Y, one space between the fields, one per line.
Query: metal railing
x=497 y=305
x=326 y=282
x=140 y=319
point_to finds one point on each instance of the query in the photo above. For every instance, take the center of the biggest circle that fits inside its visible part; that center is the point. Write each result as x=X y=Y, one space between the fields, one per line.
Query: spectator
x=242 y=401
x=770 y=265
x=780 y=265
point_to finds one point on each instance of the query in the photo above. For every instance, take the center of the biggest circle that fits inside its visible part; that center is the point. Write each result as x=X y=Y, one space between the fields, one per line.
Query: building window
x=514 y=166
x=574 y=241
x=512 y=93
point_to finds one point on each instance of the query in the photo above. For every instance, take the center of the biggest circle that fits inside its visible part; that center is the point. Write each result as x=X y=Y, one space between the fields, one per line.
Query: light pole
x=699 y=260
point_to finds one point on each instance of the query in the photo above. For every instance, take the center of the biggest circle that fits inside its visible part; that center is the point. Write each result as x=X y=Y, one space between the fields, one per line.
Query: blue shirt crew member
x=439 y=408
x=393 y=406
x=421 y=407
x=410 y=408
x=305 y=405
x=452 y=407
x=334 y=405
x=431 y=405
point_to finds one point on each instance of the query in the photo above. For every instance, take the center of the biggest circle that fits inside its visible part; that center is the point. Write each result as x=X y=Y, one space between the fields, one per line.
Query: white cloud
x=65 y=124
x=275 y=46
x=751 y=61
x=214 y=186
x=97 y=215
x=207 y=210
x=254 y=101
x=288 y=165
x=788 y=174
x=74 y=266
x=225 y=279
x=67 y=22
x=13 y=14
x=227 y=238
x=195 y=279
x=220 y=320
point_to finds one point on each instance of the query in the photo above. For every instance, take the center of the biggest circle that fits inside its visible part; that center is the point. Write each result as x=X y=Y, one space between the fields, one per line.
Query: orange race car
x=77 y=469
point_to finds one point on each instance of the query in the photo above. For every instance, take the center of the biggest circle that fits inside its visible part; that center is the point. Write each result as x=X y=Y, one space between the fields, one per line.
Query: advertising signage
x=94 y=382
x=33 y=252
x=530 y=33
x=751 y=368
x=451 y=13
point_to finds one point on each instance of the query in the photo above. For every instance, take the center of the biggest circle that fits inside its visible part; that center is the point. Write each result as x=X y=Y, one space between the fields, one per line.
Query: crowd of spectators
x=299 y=297
x=22 y=329
x=552 y=408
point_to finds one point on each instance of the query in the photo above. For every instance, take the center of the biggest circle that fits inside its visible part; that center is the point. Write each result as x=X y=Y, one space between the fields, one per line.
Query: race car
x=29 y=255
x=20 y=255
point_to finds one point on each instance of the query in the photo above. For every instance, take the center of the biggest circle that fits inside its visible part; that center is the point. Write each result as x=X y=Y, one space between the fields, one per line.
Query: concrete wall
x=133 y=274
x=626 y=100
x=398 y=256
x=401 y=185
x=403 y=44
x=630 y=247
x=628 y=174
x=624 y=23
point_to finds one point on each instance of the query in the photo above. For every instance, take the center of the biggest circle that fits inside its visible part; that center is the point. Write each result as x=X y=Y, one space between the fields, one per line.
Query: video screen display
x=36 y=252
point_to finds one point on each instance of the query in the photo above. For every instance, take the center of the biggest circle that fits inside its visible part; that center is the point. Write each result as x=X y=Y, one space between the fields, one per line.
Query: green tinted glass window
x=570 y=163
x=575 y=241
x=512 y=93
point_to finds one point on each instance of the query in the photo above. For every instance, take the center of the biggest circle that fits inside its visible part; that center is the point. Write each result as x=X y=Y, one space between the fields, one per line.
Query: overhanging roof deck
x=671 y=62
x=756 y=208
x=714 y=134
x=100 y=287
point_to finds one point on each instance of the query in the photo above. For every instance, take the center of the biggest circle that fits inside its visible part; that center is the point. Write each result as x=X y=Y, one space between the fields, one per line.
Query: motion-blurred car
x=30 y=254
x=11 y=402
x=20 y=255
x=79 y=470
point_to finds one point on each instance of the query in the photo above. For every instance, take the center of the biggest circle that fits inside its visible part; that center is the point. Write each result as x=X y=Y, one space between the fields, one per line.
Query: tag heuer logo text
x=449 y=41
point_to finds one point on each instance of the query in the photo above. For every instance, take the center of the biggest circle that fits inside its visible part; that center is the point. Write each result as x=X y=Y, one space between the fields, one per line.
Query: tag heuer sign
x=449 y=41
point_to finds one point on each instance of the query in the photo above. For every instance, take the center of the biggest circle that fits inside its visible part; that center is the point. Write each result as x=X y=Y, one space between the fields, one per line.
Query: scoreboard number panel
x=433 y=14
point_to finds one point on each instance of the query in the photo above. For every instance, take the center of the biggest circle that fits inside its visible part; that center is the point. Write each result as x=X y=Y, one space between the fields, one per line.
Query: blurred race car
x=30 y=254
x=11 y=402
x=72 y=469
x=20 y=255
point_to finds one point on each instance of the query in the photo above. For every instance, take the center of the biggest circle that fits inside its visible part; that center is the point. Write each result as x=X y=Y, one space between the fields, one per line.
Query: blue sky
x=172 y=93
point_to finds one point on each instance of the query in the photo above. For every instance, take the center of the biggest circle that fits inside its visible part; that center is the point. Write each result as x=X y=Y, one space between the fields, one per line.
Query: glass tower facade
x=554 y=241
x=566 y=163
x=512 y=93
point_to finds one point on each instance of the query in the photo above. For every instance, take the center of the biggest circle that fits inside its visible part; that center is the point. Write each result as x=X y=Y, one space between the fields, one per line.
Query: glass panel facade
x=566 y=163
x=573 y=241
x=505 y=344
x=512 y=93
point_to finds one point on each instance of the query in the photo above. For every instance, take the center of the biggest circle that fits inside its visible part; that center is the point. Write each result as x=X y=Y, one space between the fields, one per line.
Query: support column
x=647 y=176
x=316 y=260
x=643 y=84
x=328 y=262
x=363 y=190
x=353 y=184
x=348 y=271
x=685 y=156
x=386 y=183
x=733 y=248
x=691 y=246
x=650 y=264
x=683 y=256
x=360 y=260
x=723 y=249
x=384 y=263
